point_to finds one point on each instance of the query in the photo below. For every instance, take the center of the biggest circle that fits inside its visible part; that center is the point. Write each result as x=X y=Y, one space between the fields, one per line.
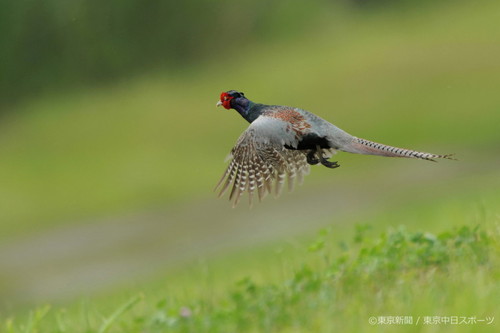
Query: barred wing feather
x=257 y=163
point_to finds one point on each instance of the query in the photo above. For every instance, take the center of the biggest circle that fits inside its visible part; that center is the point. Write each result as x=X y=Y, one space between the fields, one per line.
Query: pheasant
x=282 y=142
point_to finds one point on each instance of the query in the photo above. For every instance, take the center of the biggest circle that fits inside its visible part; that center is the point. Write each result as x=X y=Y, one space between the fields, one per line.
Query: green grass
x=335 y=281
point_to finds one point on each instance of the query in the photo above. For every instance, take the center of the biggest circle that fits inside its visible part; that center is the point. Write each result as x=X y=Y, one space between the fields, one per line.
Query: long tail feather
x=362 y=146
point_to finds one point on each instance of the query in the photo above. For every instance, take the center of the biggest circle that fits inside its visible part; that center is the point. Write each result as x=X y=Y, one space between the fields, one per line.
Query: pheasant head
x=233 y=99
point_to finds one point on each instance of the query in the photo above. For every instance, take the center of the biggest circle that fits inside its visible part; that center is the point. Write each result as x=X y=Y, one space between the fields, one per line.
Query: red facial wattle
x=225 y=100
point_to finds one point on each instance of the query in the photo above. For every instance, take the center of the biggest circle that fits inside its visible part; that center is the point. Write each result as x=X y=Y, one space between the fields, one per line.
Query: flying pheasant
x=282 y=142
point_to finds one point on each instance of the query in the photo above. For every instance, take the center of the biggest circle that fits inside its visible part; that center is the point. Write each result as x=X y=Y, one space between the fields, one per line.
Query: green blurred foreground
x=330 y=284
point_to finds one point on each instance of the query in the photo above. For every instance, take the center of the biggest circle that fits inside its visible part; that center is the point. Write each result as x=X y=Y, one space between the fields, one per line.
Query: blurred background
x=110 y=141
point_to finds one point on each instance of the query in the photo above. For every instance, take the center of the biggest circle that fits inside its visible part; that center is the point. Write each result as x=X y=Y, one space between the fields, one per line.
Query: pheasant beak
x=219 y=103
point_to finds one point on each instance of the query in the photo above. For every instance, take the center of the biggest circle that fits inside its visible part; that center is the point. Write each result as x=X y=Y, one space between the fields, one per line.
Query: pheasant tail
x=362 y=146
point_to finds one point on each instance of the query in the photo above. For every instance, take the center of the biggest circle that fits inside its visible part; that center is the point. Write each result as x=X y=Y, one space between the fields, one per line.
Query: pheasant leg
x=311 y=158
x=324 y=161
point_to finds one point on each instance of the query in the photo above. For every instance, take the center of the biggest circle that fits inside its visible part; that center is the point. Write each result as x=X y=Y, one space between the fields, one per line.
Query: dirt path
x=83 y=258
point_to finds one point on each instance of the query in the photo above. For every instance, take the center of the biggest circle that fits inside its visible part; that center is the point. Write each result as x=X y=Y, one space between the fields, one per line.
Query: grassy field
x=384 y=267
x=426 y=79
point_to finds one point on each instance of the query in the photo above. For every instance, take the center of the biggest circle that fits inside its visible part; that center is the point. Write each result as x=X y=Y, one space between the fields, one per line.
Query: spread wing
x=260 y=159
